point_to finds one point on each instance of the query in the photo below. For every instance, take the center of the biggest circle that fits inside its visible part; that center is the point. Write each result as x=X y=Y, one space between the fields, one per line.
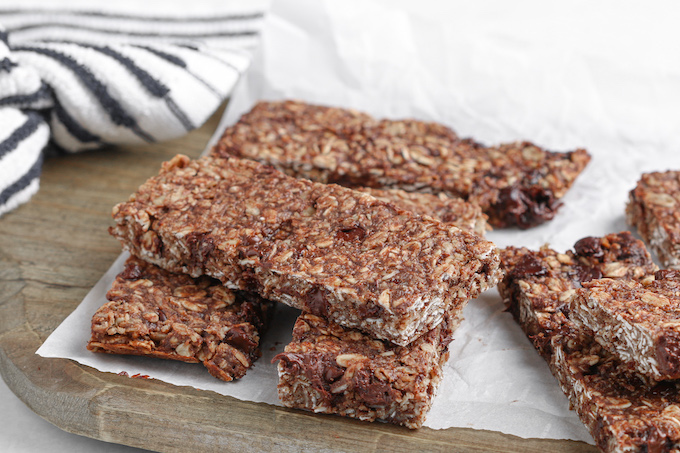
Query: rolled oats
x=654 y=209
x=156 y=313
x=464 y=215
x=329 y=369
x=637 y=322
x=517 y=184
x=323 y=248
x=624 y=410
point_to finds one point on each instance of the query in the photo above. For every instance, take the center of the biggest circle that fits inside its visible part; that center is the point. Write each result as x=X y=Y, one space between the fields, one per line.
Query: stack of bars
x=381 y=275
x=607 y=321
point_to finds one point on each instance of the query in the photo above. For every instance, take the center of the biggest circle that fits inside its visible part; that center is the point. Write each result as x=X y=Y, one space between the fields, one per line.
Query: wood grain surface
x=56 y=247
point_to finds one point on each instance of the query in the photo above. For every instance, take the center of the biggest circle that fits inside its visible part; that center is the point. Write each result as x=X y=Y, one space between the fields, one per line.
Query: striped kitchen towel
x=90 y=74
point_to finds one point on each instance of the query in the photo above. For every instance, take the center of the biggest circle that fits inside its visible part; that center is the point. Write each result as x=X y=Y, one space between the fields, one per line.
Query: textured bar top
x=516 y=184
x=329 y=250
x=456 y=211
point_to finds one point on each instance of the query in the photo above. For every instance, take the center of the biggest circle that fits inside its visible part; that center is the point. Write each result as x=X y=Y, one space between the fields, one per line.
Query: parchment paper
x=600 y=76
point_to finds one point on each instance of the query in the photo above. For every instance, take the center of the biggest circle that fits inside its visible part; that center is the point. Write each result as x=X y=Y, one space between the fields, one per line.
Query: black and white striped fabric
x=82 y=78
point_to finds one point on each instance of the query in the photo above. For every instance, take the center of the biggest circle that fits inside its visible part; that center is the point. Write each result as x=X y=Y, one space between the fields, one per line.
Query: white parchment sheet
x=603 y=76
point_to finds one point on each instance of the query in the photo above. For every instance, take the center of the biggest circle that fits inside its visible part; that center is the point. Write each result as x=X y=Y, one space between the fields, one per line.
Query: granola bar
x=332 y=370
x=639 y=323
x=326 y=249
x=156 y=313
x=456 y=211
x=624 y=410
x=516 y=184
x=654 y=209
x=539 y=284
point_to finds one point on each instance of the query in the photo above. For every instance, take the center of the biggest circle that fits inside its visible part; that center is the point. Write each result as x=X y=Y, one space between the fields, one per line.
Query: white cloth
x=85 y=76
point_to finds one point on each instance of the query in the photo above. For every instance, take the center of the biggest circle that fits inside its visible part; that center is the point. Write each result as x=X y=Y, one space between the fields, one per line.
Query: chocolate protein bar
x=326 y=249
x=456 y=211
x=637 y=322
x=516 y=184
x=654 y=209
x=156 y=313
x=539 y=284
x=331 y=370
x=624 y=410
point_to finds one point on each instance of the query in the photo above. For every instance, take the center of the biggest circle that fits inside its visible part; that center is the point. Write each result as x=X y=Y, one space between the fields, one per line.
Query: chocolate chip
x=588 y=273
x=589 y=246
x=524 y=206
x=241 y=337
x=528 y=265
x=632 y=250
x=133 y=271
x=317 y=303
x=371 y=390
x=252 y=310
x=583 y=273
x=292 y=362
x=668 y=354
x=664 y=389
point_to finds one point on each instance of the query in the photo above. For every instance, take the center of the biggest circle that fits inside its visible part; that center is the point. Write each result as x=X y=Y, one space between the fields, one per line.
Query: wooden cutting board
x=55 y=248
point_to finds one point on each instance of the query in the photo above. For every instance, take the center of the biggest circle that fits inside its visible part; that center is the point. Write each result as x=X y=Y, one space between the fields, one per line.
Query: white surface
x=599 y=76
